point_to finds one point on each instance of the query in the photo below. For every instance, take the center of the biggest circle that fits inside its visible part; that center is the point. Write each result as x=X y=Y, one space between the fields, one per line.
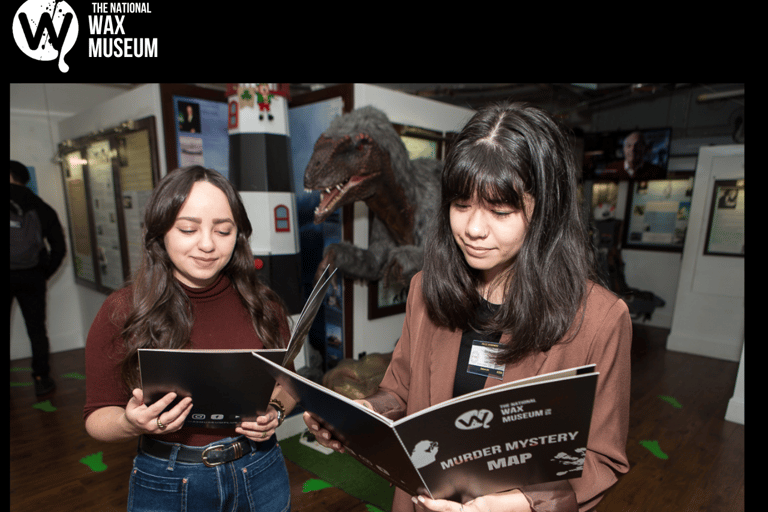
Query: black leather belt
x=210 y=456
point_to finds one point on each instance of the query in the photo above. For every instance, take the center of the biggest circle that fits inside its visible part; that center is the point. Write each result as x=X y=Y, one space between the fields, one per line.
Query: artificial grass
x=341 y=471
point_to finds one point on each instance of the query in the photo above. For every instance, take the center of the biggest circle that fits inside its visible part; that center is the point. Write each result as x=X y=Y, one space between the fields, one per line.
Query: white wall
x=135 y=104
x=35 y=111
x=735 y=411
x=709 y=310
x=381 y=334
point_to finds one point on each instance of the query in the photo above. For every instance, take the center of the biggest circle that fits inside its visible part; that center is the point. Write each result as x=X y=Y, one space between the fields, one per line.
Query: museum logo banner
x=78 y=36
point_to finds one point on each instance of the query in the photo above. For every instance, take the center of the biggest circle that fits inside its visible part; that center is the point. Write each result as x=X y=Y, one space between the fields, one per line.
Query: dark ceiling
x=574 y=103
x=561 y=98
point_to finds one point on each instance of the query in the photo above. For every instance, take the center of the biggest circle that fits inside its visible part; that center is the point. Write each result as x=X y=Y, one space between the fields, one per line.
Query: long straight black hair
x=505 y=153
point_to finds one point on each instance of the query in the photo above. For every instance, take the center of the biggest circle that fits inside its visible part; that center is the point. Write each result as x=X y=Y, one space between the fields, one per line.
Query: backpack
x=26 y=238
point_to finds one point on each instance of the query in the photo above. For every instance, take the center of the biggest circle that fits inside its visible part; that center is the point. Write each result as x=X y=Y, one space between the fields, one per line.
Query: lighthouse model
x=260 y=169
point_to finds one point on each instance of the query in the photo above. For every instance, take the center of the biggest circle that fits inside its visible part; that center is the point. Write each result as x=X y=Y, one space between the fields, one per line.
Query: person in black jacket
x=29 y=275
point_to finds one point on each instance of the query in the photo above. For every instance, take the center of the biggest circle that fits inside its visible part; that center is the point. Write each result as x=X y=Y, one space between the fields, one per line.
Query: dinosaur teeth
x=338 y=186
x=331 y=196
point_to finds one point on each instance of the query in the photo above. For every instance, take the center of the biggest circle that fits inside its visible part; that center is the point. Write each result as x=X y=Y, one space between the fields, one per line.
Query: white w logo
x=46 y=30
x=474 y=419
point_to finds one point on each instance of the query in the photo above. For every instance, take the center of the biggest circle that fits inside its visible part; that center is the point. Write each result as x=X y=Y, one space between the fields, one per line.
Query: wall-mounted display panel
x=78 y=216
x=108 y=178
x=201 y=133
x=657 y=214
x=195 y=127
x=725 y=230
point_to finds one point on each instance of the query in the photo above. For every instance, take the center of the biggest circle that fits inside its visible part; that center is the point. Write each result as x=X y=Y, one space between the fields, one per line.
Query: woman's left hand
x=424 y=503
x=511 y=501
x=261 y=429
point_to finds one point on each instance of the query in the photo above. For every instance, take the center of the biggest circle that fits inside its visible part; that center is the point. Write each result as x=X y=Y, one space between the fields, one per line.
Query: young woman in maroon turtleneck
x=196 y=289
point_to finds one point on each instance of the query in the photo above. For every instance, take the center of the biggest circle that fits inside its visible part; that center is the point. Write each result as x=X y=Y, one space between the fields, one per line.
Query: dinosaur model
x=360 y=157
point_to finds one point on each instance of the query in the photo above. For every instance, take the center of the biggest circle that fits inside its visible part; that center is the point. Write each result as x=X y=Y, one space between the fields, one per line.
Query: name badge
x=481 y=359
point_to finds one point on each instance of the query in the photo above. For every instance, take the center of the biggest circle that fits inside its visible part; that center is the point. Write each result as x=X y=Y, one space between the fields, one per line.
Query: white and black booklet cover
x=520 y=433
x=226 y=386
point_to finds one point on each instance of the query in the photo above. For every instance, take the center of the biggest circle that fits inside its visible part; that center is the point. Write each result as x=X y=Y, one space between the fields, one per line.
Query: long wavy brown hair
x=161 y=315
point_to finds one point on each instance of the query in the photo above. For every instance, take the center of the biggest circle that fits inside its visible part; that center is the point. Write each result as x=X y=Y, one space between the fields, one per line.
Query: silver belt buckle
x=205 y=456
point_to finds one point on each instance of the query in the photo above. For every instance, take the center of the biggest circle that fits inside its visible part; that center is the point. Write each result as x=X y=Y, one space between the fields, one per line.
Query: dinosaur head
x=346 y=169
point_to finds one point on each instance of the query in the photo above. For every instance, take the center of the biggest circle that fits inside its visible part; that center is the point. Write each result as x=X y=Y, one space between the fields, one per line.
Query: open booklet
x=520 y=433
x=226 y=386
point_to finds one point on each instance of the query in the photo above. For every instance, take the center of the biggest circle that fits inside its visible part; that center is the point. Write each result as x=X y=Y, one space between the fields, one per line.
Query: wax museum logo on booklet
x=425 y=452
x=474 y=419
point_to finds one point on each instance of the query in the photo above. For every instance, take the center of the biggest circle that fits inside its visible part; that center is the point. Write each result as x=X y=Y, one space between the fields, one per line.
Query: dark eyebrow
x=198 y=220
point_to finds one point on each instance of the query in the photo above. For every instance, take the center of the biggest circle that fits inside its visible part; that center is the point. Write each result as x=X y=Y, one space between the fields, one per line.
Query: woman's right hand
x=151 y=419
x=323 y=436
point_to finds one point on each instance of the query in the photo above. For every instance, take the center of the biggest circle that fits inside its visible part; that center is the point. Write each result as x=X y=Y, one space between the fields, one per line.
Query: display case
x=108 y=178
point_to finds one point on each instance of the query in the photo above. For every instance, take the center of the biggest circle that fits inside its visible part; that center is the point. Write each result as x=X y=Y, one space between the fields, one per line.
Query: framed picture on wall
x=725 y=229
x=627 y=155
x=657 y=214
x=195 y=127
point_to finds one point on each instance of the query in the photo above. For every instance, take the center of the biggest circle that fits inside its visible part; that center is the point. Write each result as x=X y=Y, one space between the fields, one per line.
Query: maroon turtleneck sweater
x=221 y=322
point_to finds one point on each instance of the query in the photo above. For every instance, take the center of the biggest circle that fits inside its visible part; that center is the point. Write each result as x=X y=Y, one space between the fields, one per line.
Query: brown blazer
x=423 y=366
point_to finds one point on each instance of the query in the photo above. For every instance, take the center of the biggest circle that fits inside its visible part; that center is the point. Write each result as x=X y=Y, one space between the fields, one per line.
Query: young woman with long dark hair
x=509 y=260
x=196 y=288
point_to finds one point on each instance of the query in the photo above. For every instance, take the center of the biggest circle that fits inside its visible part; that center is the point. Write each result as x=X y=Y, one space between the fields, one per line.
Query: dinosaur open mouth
x=331 y=196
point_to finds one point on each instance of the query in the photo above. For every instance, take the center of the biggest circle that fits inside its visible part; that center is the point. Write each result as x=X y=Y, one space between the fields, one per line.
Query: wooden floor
x=683 y=459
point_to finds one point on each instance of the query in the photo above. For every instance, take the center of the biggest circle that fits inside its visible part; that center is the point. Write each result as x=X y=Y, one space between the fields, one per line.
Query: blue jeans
x=257 y=481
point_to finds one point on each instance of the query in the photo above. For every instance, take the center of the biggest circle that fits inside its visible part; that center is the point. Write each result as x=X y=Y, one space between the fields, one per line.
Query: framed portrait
x=725 y=229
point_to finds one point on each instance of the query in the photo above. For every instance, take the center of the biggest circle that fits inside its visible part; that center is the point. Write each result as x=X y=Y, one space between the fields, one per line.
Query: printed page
x=307 y=316
x=518 y=435
x=365 y=434
x=225 y=385
x=562 y=374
